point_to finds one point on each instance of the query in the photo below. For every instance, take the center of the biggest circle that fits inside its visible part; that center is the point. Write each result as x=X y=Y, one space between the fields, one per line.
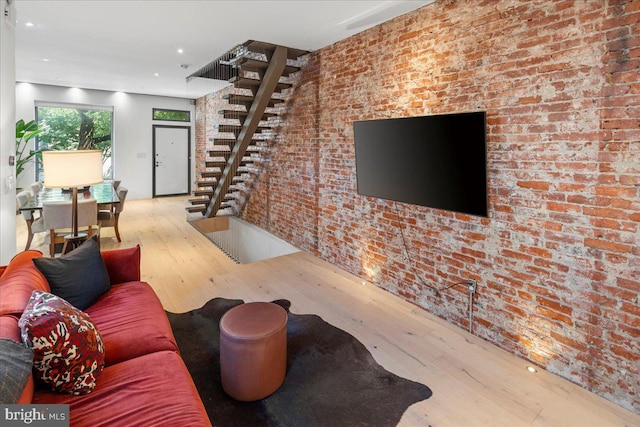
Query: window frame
x=187 y=120
x=45 y=104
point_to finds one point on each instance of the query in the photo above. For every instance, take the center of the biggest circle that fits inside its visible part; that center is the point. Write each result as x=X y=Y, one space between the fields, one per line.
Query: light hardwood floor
x=474 y=383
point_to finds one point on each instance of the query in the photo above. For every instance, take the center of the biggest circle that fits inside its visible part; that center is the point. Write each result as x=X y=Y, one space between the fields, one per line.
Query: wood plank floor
x=474 y=383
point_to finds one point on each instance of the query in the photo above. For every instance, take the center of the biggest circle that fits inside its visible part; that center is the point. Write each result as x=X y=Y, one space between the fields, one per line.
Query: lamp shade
x=72 y=168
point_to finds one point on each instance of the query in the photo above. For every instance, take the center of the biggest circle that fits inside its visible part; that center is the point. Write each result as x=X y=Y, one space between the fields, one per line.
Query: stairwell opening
x=246 y=243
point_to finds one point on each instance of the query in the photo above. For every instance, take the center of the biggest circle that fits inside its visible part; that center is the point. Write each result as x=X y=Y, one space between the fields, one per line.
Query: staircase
x=256 y=71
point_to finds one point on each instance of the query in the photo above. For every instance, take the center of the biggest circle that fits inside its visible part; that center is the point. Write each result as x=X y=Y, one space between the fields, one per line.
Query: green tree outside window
x=171 y=115
x=67 y=128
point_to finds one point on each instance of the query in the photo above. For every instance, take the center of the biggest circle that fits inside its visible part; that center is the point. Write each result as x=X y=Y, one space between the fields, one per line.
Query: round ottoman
x=253 y=350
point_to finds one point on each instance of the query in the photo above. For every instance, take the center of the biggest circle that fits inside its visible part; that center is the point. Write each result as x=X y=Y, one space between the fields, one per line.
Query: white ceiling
x=121 y=45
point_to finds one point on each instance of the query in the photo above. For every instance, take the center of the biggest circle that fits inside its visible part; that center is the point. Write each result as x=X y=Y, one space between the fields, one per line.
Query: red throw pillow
x=69 y=352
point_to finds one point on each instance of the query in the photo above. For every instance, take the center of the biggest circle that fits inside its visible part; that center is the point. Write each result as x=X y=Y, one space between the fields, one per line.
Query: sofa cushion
x=132 y=322
x=69 y=353
x=123 y=264
x=19 y=280
x=16 y=361
x=9 y=330
x=151 y=390
x=79 y=277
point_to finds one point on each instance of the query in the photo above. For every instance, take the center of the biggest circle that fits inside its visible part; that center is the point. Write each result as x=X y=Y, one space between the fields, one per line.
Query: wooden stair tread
x=226 y=153
x=262 y=47
x=207 y=183
x=213 y=170
x=230 y=142
x=199 y=201
x=211 y=174
x=246 y=99
x=251 y=64
x=215 y=153
x=237 y=128
x=249 y=83
x=219 y=149
x=196 y=209
x=241 y=115
x=222 y=163
x=203 y=192
x=215 y=163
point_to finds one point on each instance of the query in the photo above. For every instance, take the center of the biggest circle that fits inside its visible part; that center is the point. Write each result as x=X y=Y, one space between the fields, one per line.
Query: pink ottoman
x=253 y=350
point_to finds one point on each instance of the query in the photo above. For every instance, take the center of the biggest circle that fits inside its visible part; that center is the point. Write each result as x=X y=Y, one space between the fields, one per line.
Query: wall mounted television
x=437 y=161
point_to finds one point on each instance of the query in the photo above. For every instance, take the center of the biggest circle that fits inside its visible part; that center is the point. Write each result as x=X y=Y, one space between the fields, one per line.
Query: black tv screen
x=434 y=161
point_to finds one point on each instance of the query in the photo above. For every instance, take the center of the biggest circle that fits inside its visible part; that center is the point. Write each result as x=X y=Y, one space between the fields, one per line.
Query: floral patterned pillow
x=69 y=352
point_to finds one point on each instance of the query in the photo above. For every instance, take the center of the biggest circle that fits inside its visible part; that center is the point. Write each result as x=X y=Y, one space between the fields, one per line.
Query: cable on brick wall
x=436 y=291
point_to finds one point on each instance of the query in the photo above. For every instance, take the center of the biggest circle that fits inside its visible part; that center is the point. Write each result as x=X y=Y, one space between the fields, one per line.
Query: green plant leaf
x=24 y=133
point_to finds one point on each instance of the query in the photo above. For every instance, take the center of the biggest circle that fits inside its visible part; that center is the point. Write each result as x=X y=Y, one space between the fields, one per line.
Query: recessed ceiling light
x=532 y=369
x=180 y=51
x=46 y=59
x=156 y=74
x=28 y=24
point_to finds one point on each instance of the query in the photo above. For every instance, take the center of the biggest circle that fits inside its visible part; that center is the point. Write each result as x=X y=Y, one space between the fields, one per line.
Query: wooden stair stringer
x=269 y=82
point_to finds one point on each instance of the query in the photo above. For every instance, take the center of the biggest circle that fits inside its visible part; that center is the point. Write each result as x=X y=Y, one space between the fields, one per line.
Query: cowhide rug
x=332 y=379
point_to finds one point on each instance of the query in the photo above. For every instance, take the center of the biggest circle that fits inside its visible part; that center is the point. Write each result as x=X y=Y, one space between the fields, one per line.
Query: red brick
x=606 y=245
x=554 y=305
x=536 y=185
x=633 y=285
x=575 y=344
x=553 y=315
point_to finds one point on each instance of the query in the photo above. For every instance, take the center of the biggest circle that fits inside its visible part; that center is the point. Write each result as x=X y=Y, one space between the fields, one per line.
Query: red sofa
x=145 y=381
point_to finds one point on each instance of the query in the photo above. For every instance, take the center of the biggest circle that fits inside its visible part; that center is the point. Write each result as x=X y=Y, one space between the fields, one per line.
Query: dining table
x=104 y=193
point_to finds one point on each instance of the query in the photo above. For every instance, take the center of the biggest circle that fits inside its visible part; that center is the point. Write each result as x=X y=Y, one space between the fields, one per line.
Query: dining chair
x=57 y=217
x=110 y=217
x=36 y=187
x=35 y=224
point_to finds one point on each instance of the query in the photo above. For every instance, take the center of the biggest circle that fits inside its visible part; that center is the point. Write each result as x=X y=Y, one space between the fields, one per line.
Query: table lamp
x=72 y=169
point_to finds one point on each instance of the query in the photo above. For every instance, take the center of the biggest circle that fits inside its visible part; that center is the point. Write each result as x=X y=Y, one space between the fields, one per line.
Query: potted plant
x=25 y=132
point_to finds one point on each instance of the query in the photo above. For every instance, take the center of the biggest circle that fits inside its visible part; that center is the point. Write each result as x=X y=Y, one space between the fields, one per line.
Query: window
x=75 y=127
x=171 y=115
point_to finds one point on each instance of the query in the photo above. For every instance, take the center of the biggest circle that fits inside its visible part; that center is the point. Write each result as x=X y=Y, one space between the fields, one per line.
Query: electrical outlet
x=472 y=285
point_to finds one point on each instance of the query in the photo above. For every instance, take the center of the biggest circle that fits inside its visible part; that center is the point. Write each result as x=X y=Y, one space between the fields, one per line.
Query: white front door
x=171 y=152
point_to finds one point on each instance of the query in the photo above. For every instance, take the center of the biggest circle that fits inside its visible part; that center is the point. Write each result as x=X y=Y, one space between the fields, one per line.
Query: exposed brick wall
x=200 y=135
x=207 y=121
x=285 y=196
x=558 y=260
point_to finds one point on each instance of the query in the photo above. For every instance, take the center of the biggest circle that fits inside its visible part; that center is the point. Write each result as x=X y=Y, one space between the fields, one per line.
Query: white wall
x=132 y=128
x=7 y=133
x=247 y=243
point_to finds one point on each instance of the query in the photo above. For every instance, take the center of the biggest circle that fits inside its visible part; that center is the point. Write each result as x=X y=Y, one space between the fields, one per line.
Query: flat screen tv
x=434 y=161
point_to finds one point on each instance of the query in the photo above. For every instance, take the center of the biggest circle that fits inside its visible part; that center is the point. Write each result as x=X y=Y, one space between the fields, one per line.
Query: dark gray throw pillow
x=16 y=362
x=79 y=277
